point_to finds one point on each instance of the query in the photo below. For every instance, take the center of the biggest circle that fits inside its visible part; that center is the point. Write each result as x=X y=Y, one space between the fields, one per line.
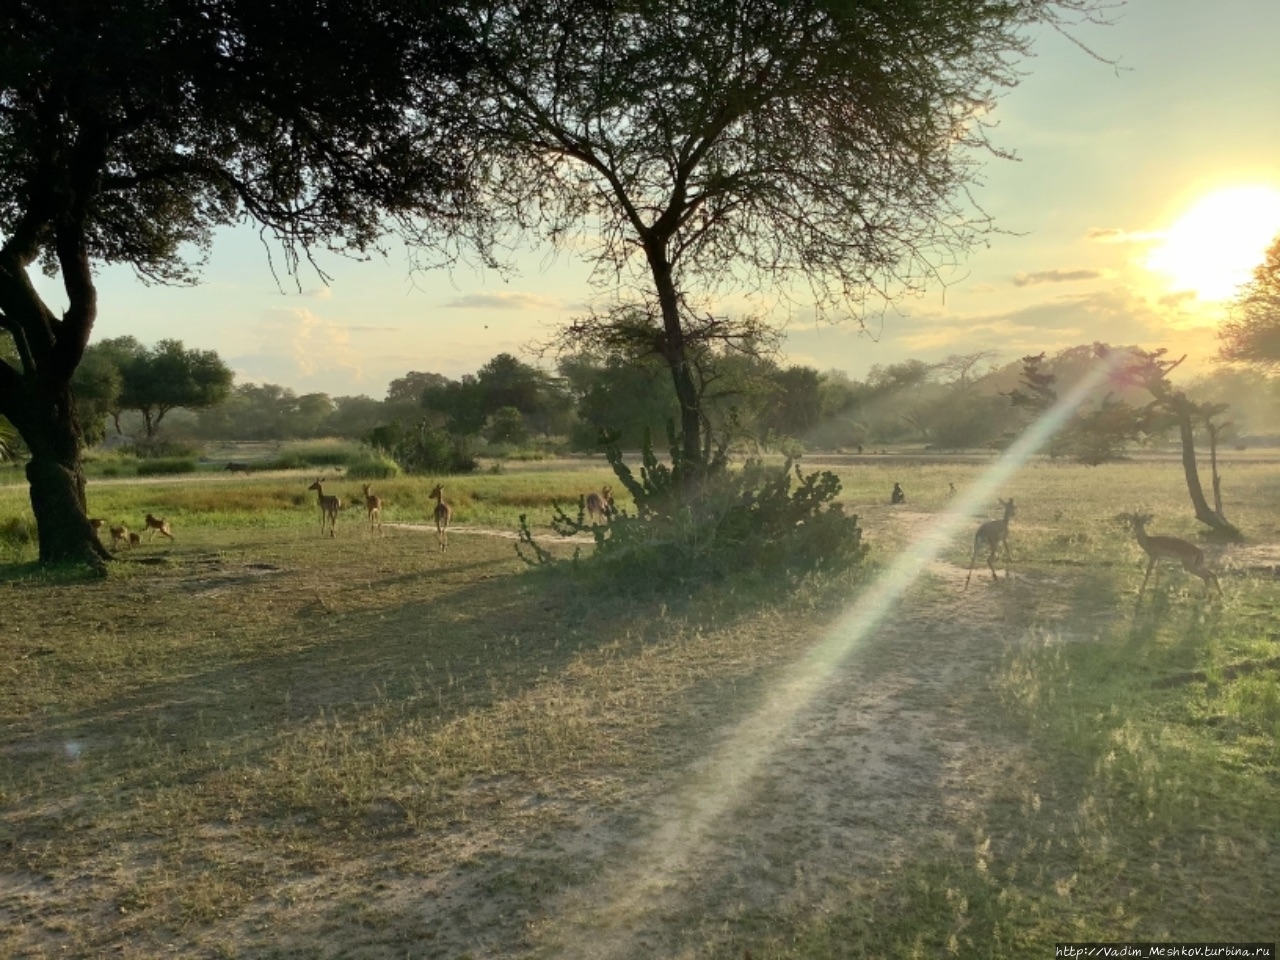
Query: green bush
x=750 y=522
x=373 y=467
x=423 y=448
x=17 y=531
x=165 y=465
x=166 y=449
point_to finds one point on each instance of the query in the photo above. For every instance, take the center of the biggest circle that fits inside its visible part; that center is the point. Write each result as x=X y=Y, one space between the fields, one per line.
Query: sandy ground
x=842 y=773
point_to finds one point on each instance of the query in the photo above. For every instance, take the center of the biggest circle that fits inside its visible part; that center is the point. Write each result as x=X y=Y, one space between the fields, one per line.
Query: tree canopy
x=130 y=131
x=821 y=146
x=1252 y=332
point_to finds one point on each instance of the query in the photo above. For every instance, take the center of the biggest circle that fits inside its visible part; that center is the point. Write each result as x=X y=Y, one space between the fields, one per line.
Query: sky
x=1144 y=190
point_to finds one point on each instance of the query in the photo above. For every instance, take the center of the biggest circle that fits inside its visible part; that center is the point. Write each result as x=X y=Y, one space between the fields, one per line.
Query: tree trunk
x=676 y=353
x=1213 y=466
x=1204 y=513
x=58 y=486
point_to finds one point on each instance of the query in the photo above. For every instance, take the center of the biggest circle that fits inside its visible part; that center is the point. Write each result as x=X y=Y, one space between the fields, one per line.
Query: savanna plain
x=254 y=741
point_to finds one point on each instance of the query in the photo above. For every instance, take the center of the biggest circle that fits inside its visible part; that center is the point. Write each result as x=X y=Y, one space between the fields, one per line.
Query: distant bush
x=321 y=453
x=166 y=449
x=423 y=448
x=17 y=531
x=165 y=465
x=373 y=466
x=759 y=522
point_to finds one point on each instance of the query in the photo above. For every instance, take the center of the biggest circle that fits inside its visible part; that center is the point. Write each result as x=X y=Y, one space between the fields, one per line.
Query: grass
x=257 y=742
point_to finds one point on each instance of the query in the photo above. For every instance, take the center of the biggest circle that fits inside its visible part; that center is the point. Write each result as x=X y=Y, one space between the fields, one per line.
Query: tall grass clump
x=165 y=466
x=373 y=466
x=316 y=453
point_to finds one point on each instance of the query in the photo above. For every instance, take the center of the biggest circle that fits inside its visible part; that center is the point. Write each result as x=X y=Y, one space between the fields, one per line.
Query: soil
x=839 y=776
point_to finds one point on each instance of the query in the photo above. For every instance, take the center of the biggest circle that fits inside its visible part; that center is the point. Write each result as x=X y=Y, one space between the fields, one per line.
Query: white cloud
x=513 y=300
x=1023 y=279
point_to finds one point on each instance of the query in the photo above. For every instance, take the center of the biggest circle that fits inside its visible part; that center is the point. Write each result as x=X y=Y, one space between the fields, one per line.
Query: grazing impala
x=994 y=534
x=158 y=525
x=329 y=507
x=1169 y=548
x=443 y=513
x=600 y=505
x=373 y=504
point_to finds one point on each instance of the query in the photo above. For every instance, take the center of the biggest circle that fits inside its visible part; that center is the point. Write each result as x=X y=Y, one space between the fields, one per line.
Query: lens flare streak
x=668 y=856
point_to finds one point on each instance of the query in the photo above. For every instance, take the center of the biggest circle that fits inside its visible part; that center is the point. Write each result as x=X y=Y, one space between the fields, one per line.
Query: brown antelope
x=443 y=513
x=995 y=534
x=373 y=504
x=600 y=505
x=157 y=525
x=1169 y=548
x=135 y=539
x=329 y=507
x=97 y=523
x=121 y=534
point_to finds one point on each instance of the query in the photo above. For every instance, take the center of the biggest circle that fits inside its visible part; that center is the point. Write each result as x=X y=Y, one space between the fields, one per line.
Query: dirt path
x=851 y=763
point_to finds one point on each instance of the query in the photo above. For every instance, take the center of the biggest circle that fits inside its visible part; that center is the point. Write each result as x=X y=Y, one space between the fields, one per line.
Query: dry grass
x=256 y=742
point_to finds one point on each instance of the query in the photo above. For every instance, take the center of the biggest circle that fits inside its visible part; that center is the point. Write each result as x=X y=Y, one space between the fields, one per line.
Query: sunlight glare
x=650 y=878
x=1213 y=247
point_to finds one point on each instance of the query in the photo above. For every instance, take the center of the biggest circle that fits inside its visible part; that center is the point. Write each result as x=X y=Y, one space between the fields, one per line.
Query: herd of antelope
x=992 y=535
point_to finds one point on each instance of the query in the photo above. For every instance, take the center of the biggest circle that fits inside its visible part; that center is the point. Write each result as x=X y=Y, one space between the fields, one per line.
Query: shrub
x=17 y=531
x=424 y=448
x=373 y=466
x=166 y=449
x=165 y=465
x=748 y=522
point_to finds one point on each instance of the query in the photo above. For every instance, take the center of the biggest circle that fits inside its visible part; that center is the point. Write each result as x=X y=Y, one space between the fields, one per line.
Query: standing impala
x=600 y=505
x=995 y=534
x=373 y=504
x=329 y=507
x=443 y=513
x=1170 y=548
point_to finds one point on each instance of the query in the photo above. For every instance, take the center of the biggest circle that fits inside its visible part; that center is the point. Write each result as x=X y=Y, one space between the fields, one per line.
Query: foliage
x=711 y=143
x=1101 y=435
x=748 y=523
x=164 y=466
x=17 y=531
x=372 y=467
x=1150 y=370
x=506 y=425
x=8 y=441
x=1037 y=392
x=130 y=132
x=1252 y=332
x=424 y=448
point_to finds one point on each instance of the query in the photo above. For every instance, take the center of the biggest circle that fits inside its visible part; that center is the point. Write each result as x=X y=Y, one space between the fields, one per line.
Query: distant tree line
x=753 y=403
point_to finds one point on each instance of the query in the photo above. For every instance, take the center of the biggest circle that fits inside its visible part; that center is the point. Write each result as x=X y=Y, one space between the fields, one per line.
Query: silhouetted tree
x=1252 y=333
x=708 y=144
x=130 y=131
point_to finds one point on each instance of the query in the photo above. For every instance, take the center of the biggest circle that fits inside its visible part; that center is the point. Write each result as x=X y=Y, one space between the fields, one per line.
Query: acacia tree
x=1150 y=370
x=1252 y=333
x=818 y=148
x=129 y=131
x=169 y=375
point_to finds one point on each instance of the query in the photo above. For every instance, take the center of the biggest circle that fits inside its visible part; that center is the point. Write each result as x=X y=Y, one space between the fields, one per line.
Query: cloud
x=1116 y=235
x=1177 y=298
x=295 y=344
x=1117 y=315
x=1054 y=276
x=318 y=293
x=505 y=301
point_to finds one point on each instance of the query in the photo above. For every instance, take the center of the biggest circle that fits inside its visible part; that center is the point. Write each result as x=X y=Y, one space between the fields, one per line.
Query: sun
x=1213 y=247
